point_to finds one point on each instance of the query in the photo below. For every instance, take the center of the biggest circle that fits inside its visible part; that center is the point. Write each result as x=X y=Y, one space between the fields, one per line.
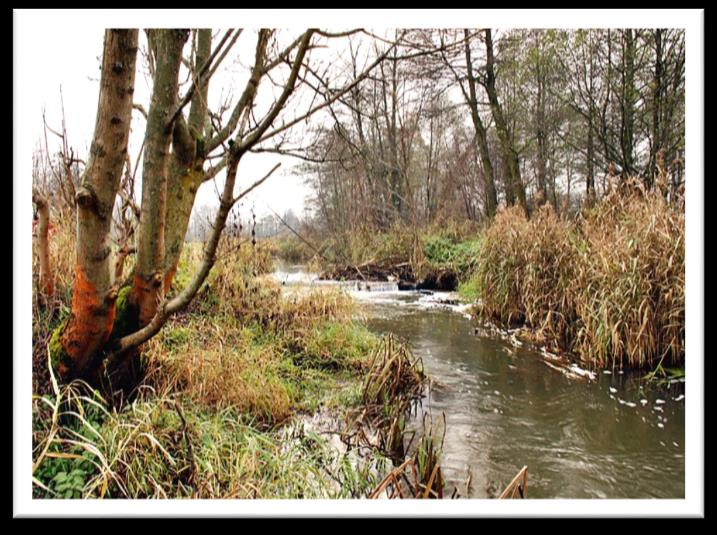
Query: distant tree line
x=457 y=123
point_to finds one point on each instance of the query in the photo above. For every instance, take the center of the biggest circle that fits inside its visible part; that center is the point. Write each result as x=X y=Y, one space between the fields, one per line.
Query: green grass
x=211 y=417
x=159 y=447
x=444 y=252
x=468 y=289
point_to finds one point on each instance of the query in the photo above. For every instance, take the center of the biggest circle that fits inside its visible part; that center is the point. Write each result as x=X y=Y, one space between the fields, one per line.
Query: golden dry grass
x=608 y=286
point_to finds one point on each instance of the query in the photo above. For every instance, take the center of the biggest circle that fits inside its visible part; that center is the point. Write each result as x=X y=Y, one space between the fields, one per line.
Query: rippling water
x=506 y=408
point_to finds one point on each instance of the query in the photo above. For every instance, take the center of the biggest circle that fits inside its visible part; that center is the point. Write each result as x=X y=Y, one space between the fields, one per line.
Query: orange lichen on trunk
x=89 y=325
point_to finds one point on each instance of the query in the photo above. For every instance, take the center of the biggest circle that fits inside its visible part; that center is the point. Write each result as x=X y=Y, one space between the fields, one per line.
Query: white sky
x=68 y=55
x=79 y=79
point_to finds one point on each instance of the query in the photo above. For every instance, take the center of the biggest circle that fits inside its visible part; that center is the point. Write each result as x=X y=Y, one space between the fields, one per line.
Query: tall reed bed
x=608 y=286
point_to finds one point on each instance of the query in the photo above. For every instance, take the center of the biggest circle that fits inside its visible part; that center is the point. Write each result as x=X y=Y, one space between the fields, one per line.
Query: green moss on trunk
x=126 y=315
x=59 y=358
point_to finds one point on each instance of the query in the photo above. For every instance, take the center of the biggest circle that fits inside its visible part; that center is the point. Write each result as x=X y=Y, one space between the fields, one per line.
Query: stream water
x=505 y=407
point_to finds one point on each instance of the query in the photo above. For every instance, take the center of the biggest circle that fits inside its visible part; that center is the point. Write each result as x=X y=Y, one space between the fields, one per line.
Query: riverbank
x=605 y=285
x=235 y=400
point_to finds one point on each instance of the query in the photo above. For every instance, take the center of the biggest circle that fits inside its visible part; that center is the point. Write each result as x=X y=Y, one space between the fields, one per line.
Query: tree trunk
x=481 y=137
x=93 y=298
x=510 y=156
x=188 y=158
x=541 y=129
x=148 y=284
x=629 y=97
x=656 y=110
x=47 y=286
x=590 y=166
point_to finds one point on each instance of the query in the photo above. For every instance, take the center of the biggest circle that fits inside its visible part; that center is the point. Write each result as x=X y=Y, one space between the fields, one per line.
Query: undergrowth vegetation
x=213 y=417
x=608 y=286
x=403 y=251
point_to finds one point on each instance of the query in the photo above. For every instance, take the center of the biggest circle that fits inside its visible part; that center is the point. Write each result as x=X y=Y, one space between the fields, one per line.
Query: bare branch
x=256 y=184
x=334 y=98
x=200 y=75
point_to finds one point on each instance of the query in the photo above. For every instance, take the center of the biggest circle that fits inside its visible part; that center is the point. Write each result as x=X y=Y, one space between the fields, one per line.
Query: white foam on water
x=582 y=371
x=295 y=277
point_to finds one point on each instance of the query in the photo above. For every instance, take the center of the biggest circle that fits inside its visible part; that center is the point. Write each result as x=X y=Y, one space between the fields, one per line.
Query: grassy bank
x=218 y=414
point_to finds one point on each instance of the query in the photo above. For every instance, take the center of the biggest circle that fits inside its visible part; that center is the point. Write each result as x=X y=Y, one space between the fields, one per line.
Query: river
x=606 y=437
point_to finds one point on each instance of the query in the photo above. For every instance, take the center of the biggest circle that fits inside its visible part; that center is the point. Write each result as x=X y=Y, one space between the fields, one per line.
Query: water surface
x=505 y=408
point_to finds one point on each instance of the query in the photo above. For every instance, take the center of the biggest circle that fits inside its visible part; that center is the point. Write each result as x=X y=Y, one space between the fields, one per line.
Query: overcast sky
x=59 y=49
x=72 y=63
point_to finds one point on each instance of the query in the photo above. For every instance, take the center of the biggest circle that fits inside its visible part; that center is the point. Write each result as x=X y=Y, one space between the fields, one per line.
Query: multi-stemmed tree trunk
x=90 y=322
x=102 y=331
x=192 y=144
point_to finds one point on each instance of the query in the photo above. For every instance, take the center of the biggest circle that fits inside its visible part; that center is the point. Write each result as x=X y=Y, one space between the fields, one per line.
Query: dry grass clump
x=217 y=364
x=609 y=286
x=526 y=269
x=394 y=372
x=391 y=388
x=319 y=331
x=419 y=476
x=244 y=345
x=630 y=288
x=317 y=305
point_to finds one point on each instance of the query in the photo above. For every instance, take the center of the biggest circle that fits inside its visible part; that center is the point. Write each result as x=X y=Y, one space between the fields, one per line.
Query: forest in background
x=468 y=121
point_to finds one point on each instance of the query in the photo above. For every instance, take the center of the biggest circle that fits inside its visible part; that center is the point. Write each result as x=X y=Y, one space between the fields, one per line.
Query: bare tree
x=179 y=155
